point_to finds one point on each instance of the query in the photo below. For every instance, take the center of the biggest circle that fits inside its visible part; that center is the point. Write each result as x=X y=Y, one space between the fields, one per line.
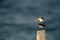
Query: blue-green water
x=17 y=19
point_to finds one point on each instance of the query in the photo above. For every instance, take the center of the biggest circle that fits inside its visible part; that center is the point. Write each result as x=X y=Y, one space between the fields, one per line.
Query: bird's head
x=40 y=19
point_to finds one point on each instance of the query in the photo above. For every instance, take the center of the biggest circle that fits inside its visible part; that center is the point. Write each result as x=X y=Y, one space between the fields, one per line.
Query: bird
x=41 y=22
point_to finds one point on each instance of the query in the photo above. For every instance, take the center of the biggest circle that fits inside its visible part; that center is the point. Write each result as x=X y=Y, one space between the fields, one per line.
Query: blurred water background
x=17 y=19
